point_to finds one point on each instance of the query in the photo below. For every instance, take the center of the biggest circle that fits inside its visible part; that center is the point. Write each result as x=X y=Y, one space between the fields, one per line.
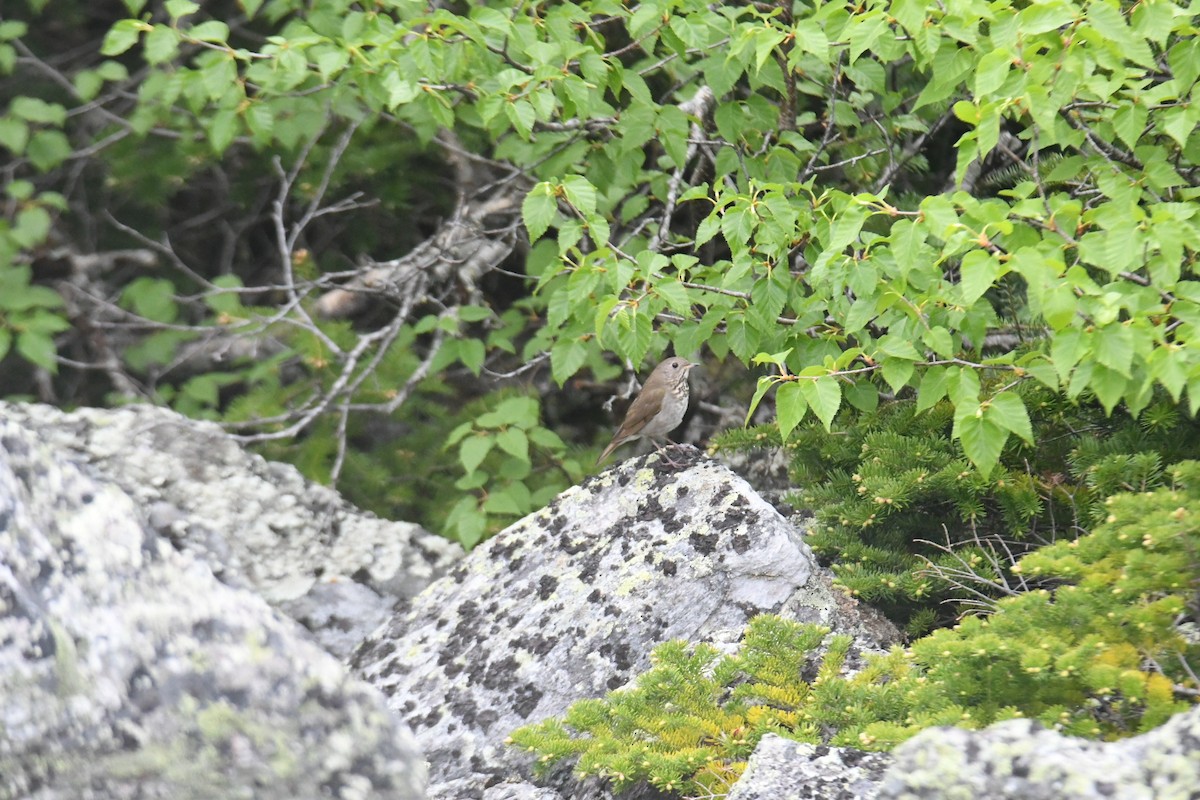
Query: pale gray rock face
x=1020 y=760
x=256 y=523
x=569 y=602
x=781 y=769
x=1014 y=760
x=127 y=670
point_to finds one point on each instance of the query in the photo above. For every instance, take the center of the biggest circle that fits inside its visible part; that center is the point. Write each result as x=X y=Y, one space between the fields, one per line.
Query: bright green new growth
x=1102 y=655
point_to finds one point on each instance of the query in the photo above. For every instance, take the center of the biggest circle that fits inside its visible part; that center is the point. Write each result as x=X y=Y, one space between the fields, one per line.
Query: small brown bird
x=659 y=407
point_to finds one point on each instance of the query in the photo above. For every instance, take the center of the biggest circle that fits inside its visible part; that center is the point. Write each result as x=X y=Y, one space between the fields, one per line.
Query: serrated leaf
x=580 y=193
x=982 y=441
x=538 y=210
x=121 y=36
x=824 y=396
x=765 y=382
x=473 y=450
x=1008 y=411
x=979 y=272
x=939 y=340
x=897 y=372
x=161 y=44
x=180 y=8
x=14 y=135
x=790 y=407
x=38 y=348
x=932 y=388
x=522 y=115
x=212 y=30
x=1114 y=348
x=221 y=129
x=471 y=353
x=566 y=357
x=514 y=442
x=991 y=72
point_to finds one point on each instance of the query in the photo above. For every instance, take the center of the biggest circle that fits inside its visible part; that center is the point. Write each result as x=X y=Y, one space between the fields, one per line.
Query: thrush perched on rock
x=659 y=407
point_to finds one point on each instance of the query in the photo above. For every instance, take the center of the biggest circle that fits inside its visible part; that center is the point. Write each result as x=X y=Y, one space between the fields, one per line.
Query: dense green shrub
x=912 y=527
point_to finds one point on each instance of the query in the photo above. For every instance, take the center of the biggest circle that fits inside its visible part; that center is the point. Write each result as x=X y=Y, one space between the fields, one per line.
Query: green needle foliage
x=1103 y=654
x=912 y=527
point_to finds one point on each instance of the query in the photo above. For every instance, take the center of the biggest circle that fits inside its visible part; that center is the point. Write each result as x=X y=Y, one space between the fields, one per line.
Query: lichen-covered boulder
x=782 y=768
x=127 y=670
x=1021 y=760
x=336 y=569
x=1013 y=760
x=568 y=603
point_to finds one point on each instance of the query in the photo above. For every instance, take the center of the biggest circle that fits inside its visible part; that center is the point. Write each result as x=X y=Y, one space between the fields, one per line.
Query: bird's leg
x=666 y=459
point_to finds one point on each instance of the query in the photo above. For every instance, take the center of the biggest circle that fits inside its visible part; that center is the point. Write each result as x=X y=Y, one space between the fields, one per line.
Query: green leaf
x=765 y=382
x=38 y=348
x=32 y=226
x=36 y=110
x=566 y=357
x=152 y=298
x=161 y=44
x=122 y=36
x=897 y=372
x=180 y=8
x=6 y=337
x=939 y=340
x=471 y=352
x=474 y=450
x=1008 y=411
x=222 y=127
x=790 y=407
x=980 y=269
x=14 y=134
x=539 y=209
x=932 y=388
x=991 y=72
x=580 y=193
x=824 y=395
x=863 y=395
x=1114 y=348
x=47 y=149
x=522 y=115
x=982 y=439
x=514 y=442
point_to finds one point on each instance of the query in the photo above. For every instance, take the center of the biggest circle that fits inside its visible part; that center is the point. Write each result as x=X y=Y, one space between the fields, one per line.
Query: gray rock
x=781 y=769
x=256 y=523
x=1014 y=760
x=1020 y=760
x=568 y=603
x=128 y=671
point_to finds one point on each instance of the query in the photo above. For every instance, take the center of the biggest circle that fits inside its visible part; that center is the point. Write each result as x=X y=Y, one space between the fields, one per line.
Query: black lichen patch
x=546 y=586
x=669 y=568
x=740 y=542
x=525 y=699
x=704 y=543
x=499 y=673
x=618 y=653
x=505 y=548
x=736 y=514
x=536 y=643
x=571 y=545
x=596 y=596
x=589 y=565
